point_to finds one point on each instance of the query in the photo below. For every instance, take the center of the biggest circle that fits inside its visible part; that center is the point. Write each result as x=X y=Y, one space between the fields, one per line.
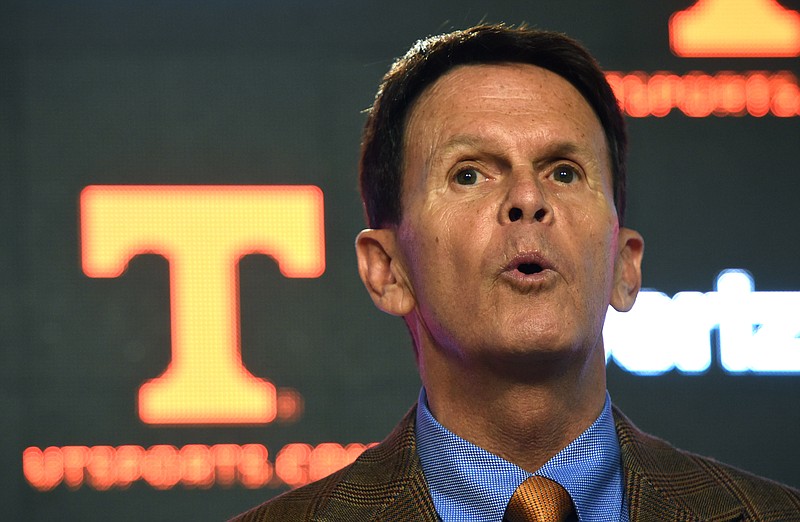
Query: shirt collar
x=469 y=483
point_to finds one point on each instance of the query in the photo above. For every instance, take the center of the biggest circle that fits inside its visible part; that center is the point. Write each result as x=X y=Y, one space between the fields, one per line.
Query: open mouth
x=529 y=268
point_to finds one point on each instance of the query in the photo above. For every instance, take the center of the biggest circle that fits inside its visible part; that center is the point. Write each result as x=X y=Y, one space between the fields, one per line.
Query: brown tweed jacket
x=661 y=483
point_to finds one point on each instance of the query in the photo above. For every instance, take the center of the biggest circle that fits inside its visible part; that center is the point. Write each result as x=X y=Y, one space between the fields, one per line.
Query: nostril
x=539 y=215
x=515 y=214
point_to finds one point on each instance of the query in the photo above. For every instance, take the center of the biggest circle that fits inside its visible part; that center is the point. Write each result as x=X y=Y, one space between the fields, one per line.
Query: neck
x=525 y=413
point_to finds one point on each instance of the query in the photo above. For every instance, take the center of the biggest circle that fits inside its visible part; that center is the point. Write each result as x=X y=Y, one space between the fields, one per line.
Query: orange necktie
x=539 y=499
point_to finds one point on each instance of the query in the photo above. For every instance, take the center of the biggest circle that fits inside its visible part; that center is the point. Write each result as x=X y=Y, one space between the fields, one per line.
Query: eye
x=565 y=174
x=468 y=176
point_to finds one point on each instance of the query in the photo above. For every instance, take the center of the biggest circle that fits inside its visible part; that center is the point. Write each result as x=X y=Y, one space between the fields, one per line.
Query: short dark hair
x=381 y=165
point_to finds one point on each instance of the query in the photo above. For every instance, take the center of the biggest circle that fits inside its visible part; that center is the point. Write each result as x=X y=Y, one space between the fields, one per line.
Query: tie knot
x=539 y=499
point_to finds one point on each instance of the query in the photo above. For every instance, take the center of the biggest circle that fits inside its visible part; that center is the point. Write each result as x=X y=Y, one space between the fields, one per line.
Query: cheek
x=595 y=248
x=603 y=244
x=452 y=230
x=604 y=263
x=429 y=252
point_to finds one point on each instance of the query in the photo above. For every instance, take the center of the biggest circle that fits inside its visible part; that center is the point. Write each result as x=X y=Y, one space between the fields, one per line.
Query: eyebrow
x=551 y=151
x=462 y=140
x=566 y=149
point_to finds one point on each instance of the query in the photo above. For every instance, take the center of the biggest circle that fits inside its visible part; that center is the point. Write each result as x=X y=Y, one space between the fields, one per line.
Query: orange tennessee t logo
x=203 y=231
x=735 y=29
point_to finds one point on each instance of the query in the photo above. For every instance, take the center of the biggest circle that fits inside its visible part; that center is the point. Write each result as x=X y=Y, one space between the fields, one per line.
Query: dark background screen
x=272 y=93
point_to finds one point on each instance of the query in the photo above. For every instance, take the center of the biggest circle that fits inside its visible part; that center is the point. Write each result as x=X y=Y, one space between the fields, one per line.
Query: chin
x=534 y=349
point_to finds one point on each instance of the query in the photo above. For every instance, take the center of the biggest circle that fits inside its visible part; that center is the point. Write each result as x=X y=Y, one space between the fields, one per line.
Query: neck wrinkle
x=525 y=421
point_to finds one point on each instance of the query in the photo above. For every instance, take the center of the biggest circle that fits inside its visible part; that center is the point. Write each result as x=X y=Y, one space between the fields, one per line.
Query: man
x=493 y=178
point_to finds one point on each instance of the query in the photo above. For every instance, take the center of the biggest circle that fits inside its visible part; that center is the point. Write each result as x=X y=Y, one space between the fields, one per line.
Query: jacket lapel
x=662 y=483
x=385 y=483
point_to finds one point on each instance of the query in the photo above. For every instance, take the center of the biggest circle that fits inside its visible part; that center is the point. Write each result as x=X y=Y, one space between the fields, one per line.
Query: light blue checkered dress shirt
x=467 y=483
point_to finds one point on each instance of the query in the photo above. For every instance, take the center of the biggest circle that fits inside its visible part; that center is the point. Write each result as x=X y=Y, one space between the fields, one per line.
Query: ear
x=382 y=272
x=627 y=270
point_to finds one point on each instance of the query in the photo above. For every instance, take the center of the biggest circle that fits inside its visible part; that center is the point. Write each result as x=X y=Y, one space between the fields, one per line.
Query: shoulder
x=385 y=479
x=655 y=470
x=299 y=504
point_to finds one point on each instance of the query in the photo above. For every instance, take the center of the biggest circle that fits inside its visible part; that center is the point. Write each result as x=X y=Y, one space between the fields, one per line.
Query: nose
x=525 y=201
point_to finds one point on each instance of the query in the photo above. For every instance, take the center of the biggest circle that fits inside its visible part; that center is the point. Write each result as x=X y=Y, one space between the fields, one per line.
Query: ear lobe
x=627 y=270
x=382 y=273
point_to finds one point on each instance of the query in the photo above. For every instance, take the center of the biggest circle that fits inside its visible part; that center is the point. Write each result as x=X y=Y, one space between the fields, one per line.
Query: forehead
x=515 y=99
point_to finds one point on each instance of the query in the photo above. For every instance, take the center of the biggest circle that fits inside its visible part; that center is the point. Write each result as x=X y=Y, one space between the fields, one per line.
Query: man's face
x=509 y=236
